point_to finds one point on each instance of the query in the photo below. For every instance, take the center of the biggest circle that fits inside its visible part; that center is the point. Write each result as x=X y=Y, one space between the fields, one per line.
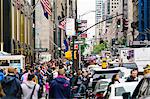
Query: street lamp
x=86 y=13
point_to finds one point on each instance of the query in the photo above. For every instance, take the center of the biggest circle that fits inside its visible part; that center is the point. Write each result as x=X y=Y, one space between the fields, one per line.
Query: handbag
x=32 y=92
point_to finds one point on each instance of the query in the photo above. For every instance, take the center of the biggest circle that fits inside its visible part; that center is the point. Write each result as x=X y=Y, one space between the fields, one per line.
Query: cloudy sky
x=87 y=6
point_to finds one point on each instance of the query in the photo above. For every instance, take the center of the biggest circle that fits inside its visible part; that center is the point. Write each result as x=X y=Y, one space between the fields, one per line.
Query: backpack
x=13 y=88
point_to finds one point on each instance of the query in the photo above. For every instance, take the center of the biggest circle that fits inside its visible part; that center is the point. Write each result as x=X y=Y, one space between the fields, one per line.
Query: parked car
x=116 y=90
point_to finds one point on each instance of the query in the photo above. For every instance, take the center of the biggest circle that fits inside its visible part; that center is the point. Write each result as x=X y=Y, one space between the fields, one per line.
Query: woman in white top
x=30 y=88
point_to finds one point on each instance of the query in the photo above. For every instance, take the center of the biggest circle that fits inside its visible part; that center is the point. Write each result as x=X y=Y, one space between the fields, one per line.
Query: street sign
x=40 y=49
x=84 y=35
x=140 y=43
x=78 y=42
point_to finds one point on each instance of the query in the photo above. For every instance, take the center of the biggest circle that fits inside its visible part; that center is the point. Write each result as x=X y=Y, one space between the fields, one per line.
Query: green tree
x=98 y=48
x=83 y=47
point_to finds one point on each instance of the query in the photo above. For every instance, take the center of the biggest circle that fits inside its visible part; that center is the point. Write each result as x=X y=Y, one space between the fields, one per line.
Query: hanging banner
x=70 y=27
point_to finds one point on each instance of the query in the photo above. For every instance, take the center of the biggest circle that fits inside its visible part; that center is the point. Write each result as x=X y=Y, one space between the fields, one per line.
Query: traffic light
x=113 y=41
x=118 y=23
x=79 y=27
x=125 y=24
x=68 y=55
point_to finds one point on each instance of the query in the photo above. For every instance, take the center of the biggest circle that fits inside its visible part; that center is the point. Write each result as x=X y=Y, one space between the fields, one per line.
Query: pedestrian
x=1 y=75
x=47 y=88
x=30 y=88
x=17 y=73
x=11 y=85
x=139 y=88
x=40 y=82
x=25 y=75
x=133 y=76
x=2 y=94
x=114 y=80
x=60 y=87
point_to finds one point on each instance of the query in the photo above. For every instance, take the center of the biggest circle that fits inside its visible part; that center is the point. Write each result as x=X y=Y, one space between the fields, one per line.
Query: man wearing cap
x=11 y=85
x=60 y=86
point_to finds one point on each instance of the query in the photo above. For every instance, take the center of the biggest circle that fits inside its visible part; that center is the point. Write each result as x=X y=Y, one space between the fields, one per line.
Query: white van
x=16 y=61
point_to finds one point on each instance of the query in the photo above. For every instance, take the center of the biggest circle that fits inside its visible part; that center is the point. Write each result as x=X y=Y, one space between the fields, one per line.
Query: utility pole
x=1 y=32
x=73 y=38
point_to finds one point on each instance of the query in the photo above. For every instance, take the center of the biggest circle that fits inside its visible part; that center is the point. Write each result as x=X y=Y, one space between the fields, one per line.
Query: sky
x=87 y=6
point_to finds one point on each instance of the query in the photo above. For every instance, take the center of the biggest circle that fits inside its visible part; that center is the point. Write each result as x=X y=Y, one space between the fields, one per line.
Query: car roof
x=124 y=84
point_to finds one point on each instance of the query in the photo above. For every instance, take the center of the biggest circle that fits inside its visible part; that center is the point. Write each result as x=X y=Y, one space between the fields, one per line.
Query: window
x=112 y=6
x=4 y=63
x=112 y=10
x=119 y=91
x=14 y=61
x=115 y=6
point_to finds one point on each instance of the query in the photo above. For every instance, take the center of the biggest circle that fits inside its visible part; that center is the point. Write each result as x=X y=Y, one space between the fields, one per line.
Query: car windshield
x=107 y=74
x=129 y=65
x=119 y=91
x=126 y=65
x=103 y=85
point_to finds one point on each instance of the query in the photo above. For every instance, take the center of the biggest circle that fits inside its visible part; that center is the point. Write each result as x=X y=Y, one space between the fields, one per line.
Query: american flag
x=62 y=24
x=46 y=7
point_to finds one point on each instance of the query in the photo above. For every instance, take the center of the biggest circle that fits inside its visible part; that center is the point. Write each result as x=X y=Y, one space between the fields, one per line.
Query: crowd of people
x=51 y=80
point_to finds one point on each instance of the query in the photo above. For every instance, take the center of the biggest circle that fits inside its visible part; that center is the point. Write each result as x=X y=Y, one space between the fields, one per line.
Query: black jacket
x=131 y=79
x=12 y=88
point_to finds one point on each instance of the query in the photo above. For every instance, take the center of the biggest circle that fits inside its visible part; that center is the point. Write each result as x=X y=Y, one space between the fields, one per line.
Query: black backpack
x=13 y=88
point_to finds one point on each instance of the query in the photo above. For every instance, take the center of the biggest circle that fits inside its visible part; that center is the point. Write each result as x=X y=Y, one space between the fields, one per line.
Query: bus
x=16 y=61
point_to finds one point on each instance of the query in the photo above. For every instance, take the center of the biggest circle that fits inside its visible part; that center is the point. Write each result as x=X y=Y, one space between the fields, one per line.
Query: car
x=101 y=87
x=117 y=90
x=98 y=74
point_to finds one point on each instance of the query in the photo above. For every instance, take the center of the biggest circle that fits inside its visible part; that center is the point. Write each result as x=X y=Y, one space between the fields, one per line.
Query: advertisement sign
x=70 y=27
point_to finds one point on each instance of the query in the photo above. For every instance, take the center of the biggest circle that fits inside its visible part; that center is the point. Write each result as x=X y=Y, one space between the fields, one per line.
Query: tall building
x=99 y=9
x=115 y=6
x=16 y=28
x=143 y=19
x=62 y=10
x=48 y=34
x=43 y=32
x=98 y=17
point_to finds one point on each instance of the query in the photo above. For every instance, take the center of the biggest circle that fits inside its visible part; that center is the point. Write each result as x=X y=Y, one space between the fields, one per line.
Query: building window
x=112 y=6
x=117 y=3
x=112 y=10
x=115 y=6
